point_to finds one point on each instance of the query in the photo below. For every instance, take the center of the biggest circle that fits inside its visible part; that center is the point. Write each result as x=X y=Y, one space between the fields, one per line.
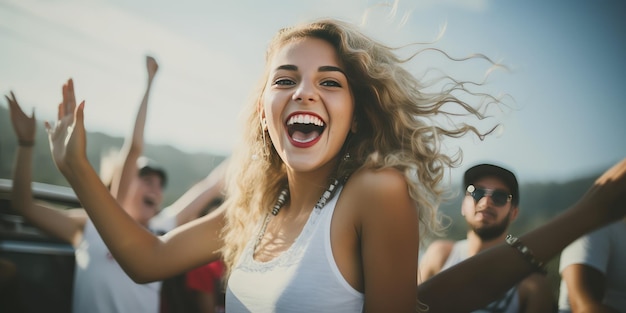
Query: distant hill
x=183 y=169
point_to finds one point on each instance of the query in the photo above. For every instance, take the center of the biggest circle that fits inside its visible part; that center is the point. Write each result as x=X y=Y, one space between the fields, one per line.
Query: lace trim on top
x=286 y=258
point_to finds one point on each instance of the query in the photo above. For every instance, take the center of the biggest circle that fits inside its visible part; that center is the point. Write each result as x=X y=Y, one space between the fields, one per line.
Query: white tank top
x=509 y=303
x=304 y=278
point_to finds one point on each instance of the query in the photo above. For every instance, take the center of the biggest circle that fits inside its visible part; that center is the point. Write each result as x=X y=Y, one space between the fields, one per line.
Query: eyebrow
x=326 y=68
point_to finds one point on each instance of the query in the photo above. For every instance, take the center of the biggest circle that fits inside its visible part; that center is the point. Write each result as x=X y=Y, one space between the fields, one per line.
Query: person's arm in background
x=433 y=259
x=190 y=205
x=66 y=225
x=133 y=145
x=586 y=288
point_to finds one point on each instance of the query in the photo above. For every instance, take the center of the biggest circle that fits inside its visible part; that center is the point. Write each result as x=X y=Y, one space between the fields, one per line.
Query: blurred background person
x=490 y=205
x=593 y=272
x=100 y=285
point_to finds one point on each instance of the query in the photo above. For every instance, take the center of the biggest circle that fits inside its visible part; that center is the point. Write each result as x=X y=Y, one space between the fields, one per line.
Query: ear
x=354 y=126
x=261 y=112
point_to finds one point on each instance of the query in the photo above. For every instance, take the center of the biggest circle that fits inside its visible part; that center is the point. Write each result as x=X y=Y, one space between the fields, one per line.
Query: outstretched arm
x=189 y=206
x=483 y=276
x=53 y=221
x=133 y=145
x=143 y=256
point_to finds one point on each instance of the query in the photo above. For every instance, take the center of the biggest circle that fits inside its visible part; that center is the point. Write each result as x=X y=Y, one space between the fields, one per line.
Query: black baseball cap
x=479 y=171
x=148 y=166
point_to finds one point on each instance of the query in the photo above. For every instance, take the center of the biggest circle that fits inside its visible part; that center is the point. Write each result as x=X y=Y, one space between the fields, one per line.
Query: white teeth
x=305 y=119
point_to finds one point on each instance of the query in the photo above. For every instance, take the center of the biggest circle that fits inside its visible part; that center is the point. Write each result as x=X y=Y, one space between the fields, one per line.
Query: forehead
x=305 y=51
x=491 y=182
x=151 y=176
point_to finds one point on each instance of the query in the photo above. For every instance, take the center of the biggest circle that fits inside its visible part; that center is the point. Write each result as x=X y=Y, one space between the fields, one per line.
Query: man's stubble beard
x=487 y=233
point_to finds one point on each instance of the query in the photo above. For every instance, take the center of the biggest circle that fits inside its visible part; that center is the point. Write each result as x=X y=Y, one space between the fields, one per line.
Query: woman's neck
x=306 y=189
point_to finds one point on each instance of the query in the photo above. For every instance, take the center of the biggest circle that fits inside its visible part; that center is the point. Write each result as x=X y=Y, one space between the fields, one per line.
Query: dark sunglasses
x=498 y=197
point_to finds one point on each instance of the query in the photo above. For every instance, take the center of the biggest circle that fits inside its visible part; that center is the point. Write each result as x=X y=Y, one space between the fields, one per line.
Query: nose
x=306 y=92
x=484 y=201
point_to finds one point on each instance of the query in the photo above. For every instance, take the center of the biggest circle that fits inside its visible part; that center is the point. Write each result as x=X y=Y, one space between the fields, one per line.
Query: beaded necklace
x=282 y=198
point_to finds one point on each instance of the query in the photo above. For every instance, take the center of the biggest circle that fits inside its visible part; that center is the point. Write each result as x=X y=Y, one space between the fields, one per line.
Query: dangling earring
x=265 y=153
x=263 y=125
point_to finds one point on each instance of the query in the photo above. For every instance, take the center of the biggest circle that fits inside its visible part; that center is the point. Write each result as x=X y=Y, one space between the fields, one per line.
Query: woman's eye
x=330 y=83
x=284 y=82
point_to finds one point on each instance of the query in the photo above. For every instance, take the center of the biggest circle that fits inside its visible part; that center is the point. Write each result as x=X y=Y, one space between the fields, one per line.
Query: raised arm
x=142 y=255
x=134 y=143
x=480 y=278
x=61 y=224
x=189 y=206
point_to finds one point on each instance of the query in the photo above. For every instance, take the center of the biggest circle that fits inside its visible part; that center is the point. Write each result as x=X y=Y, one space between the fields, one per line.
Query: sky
x=565 y=118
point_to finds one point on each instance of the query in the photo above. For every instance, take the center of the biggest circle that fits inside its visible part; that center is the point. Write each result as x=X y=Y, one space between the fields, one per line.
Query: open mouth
x=305 y=129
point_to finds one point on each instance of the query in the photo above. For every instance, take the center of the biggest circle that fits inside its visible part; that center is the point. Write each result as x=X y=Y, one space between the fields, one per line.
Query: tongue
x=304 y=137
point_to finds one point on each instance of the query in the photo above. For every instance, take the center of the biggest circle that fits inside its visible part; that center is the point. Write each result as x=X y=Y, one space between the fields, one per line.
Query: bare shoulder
x=384 y=185
x=440 y=247
x=379 y=200
x=433 y=259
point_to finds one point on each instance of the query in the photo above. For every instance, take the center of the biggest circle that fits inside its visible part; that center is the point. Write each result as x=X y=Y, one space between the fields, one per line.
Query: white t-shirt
x=102 y=286
x=604 y=250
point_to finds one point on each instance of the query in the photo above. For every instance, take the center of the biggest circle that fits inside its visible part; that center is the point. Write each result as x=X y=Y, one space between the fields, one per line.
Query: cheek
x=467 y=206
x=342 y=115
x=272 y=108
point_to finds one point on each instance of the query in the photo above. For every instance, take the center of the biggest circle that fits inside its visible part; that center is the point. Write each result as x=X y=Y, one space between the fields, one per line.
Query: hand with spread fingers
x=23 y=125
x=67 y=137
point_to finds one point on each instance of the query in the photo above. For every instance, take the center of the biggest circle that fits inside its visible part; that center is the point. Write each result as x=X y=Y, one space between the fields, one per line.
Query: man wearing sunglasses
x=489 y=206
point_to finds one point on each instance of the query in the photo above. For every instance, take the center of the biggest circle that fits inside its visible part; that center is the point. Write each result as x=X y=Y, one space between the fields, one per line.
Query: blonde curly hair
x=393 y=114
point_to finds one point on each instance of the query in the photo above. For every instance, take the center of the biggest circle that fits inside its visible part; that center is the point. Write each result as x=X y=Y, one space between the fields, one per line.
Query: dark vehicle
x=45 y=265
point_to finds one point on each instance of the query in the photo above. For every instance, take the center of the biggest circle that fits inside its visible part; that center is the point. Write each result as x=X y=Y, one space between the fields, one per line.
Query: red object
x=206 y=277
